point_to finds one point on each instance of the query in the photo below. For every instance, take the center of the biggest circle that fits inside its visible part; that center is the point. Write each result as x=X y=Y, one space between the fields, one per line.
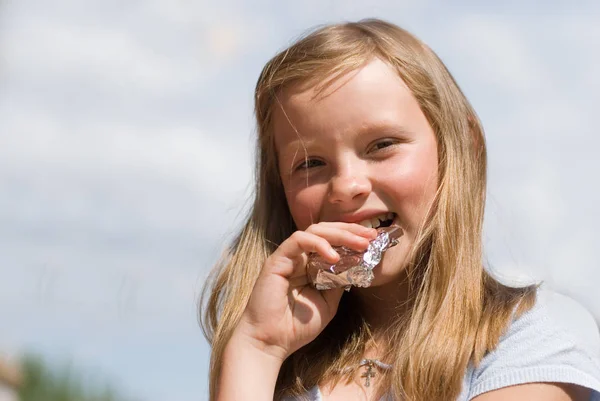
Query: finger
x=292 y=253
x=340 y=236
x=289 y=259
x=357 y=229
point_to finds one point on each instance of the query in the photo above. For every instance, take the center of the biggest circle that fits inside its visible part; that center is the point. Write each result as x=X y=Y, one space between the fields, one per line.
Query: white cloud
x=495 y=51
x=39 y=49
x=203 y=161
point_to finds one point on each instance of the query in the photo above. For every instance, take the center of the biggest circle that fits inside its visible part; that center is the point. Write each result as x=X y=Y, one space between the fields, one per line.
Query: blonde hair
x=457 y=311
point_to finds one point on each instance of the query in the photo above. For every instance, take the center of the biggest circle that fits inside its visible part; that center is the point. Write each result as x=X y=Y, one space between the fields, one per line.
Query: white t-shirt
x=556 y=341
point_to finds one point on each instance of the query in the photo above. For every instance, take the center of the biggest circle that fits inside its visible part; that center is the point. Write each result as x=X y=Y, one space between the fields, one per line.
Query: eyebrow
x=382 y=127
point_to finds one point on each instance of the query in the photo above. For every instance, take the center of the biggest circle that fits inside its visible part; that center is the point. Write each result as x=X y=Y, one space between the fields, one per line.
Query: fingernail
x=333 y=253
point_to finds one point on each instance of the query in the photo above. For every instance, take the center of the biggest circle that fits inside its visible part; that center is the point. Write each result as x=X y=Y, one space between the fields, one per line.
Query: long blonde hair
x=457 y=310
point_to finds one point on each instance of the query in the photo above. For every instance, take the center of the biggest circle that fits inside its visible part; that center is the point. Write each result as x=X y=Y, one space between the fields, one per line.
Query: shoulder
x=557 y=341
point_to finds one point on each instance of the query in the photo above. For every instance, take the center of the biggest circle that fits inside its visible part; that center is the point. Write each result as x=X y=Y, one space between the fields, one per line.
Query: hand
x=284 y=312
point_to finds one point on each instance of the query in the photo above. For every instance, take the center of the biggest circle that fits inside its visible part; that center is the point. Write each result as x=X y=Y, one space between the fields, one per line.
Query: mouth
x=382 y=220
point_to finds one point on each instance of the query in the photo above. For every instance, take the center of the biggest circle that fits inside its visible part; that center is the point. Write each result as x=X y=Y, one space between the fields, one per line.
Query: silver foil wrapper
x=354 y=268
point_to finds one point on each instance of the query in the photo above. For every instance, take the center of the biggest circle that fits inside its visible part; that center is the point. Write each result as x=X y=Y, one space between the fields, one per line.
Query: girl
x=359 y=123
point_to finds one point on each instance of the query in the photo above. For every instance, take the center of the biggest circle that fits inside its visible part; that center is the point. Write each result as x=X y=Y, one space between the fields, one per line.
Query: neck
x=381 y=305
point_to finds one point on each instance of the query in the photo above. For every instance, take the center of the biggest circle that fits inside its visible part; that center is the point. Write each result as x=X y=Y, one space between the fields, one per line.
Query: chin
x=384 y=278
x=392 y=268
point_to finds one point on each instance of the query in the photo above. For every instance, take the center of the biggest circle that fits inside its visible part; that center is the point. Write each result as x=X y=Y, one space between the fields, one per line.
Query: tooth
x=390 y=216
x=366 y=223
x=375 y=222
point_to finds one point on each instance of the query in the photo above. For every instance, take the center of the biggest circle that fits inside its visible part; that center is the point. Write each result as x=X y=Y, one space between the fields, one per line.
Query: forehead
x=371 y=95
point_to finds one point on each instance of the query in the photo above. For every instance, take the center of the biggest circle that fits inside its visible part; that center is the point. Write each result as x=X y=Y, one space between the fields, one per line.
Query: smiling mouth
x=382 y=220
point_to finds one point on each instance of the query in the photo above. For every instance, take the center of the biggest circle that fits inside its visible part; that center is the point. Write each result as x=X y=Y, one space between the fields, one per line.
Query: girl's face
x=360 y=151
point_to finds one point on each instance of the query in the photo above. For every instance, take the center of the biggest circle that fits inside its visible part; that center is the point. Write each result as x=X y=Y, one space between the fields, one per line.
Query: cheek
x=415 y=188
x=304 y=205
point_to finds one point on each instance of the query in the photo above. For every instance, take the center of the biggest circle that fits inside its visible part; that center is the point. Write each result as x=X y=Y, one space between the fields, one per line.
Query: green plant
x=44 y=381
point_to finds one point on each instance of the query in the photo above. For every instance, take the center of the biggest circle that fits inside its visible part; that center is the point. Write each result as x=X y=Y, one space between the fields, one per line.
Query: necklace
x=370 y=364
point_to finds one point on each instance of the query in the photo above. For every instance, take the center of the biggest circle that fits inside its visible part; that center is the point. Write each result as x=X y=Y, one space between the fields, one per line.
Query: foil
x=354 y=268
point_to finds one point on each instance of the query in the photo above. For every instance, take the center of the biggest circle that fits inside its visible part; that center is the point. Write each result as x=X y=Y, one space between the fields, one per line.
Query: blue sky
x=125 y=130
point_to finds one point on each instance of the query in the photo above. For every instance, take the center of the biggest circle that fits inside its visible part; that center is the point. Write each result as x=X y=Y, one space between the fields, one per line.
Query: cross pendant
x=368 y=374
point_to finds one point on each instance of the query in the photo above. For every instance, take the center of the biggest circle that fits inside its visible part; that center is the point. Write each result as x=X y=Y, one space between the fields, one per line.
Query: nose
x=349 y=184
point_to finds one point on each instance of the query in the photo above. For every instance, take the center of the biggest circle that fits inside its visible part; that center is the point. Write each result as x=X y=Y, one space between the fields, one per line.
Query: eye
x=309 y=163
x=382 y=144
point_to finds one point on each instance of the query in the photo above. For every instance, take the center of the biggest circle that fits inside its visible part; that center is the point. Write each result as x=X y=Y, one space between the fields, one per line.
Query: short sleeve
x=556 y=341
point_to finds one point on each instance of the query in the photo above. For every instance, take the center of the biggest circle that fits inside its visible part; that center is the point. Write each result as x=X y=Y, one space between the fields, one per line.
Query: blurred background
x=125 y=129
